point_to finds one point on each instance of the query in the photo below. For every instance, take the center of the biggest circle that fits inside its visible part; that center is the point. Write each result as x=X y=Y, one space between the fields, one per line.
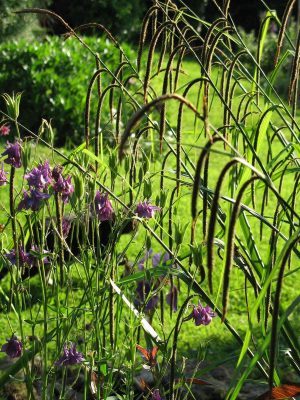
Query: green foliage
x=53 y=76
x=121 y=17
x=267 y=61
x=13 y=25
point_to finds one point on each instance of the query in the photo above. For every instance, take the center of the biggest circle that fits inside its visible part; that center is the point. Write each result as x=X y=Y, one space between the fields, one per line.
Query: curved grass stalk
x=230 y=243
x=285 y=18
x=146 y=108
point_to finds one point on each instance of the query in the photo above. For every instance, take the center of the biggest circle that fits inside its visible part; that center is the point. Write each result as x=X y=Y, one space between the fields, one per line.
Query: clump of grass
x=101 y=231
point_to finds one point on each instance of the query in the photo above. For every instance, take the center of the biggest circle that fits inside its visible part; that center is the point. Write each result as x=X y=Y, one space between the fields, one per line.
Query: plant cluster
x=185 y=219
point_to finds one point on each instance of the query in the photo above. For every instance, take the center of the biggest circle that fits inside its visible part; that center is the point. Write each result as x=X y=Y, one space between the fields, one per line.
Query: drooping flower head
x=13 y=347
x=103 y=207
x=172 y=298
x=146 y=210
x=70 y=356
x=32 y=200
x=56 y=172
x=144 y=287
x=36 y=253
x=40 y=177
x=3 y=177
x=143 y=290
x=66 y=226
x=4 y=130
x=13 y=153
x=64 y=187
x=201 y=315
x=156 y=395
x=25 y=259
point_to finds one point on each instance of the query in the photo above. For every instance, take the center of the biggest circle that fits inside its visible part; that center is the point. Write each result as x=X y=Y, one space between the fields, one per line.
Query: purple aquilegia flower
x=156 y=395
x=158 y=259
x=64 y=187
x=146 y=210
x=56 y=172
x=141 y=262
x=13 y=153
x=70 y=356
x=40 y=177
x=33 y=200
x=201 y=315
x=143 y=290
x=13 y=347
x=4 y=130
x=66 y=226
x=24 y=257
x=103 y=207
x=172 y=298
x=3 y=178
x=39 y=252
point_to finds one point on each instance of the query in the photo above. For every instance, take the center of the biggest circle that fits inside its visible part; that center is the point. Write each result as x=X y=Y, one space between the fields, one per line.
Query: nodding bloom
x=143 y=290
x=201 y=315
x=156 y=395
x=144 y=286
x=33 y=200
x=172 y=298
x=66 y=226
x=13 y=347
x=40 y=177
x=3 y=178
x=56 y=172
x=70 y=356
x=13 y=153
x=24 y=257
x=146 y=210
x=4 y=130
x=103 y=207
x=64 y=187
x=34 y=262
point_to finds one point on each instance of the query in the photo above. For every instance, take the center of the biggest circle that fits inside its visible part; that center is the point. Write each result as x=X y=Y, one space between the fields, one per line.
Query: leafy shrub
x=119 y=16
x=270 y=45
x=13 y=25
x=53 y=76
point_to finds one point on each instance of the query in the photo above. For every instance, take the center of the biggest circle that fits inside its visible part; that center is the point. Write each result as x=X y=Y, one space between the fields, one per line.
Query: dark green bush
x=270 y=46
x=53 y=76
x=122 y=17
x=13 y=25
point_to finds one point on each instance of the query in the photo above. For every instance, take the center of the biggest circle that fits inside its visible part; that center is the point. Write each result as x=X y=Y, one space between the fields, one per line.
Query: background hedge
x=53 y=76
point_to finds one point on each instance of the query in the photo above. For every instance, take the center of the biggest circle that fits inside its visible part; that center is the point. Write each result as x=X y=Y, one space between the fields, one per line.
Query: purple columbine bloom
x=64 y=187
x=24 y=257
x=201 y=315
x=66 y=226
x=13 y=347
x=146 y=210
x=143 y=289
x=3 y=178
x=56 y=172
x=13 y=153
x=141 y=262
x=70 y=356
x=172 y=298
x=34 y=262
x=156 y=395
x=33 y=200
x=103 y=207
x=4 y=130
x=39 y=177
